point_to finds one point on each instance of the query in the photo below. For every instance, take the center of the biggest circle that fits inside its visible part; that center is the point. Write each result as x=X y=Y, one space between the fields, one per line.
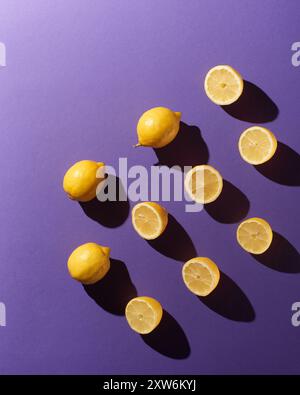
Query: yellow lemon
x=149 y=219
x=157 y=127
x=89 y=263
x=143 y=314
x=81 y=180
x=223 y=85
x=203 y=184
x=201 y=275
x=254 y=235
x=257 y=145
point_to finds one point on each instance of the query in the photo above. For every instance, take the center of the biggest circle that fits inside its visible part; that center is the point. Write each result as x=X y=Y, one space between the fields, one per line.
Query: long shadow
x=187 y=149
x=254 y=105
x=281 y=255
x=283 y=167
x=114 y=291
x=168 y=338
x=230 y=301
x=230 y=207
x=108 y=213
x=175 y=242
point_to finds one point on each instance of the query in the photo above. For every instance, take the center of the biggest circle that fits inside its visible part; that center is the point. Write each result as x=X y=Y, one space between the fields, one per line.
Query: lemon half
x=257 y=145
x=254 y=235
x=223 y=85
x=201 y=275
x=203 y=184
x=149 y=219
x=143 y=314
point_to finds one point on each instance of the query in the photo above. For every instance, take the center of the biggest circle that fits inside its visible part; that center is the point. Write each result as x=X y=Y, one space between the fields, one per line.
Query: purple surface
x=78 y=76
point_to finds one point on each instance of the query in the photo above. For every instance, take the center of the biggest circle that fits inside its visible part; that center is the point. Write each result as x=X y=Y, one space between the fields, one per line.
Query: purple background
x=79 y=74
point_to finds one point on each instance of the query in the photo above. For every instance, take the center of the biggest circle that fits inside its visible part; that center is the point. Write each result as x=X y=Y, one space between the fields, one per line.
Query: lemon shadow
x=187 y=149
x=229 y=301
x=168 y=338
x=281 y=256
x=115 y=290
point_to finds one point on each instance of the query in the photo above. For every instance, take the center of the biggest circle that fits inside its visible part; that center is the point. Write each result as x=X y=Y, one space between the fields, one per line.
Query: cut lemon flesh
x=257 y=145
x=254 y=235
x=203 y=184
x=223 y=85
x=149 y=219
x=200 y=275
x=143 y=314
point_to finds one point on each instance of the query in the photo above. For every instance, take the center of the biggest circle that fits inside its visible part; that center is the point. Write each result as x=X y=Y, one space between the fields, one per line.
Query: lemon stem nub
x=137 y=145
x=106 y=250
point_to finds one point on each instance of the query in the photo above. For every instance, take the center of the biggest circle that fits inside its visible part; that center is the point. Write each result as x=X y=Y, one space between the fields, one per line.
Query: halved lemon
x=143 y=314
x=254 y=235
x=200 y=275
x=149 y=219
x=257 y=145
x=203 y=184
x=223 y=85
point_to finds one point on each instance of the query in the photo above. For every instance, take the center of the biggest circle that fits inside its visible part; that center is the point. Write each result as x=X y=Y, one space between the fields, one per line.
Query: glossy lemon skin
x=89 y=263
x=80 y=181
x=157 y=127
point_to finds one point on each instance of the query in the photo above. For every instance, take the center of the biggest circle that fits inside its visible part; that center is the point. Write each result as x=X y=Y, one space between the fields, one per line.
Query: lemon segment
x=81 y=180
x=201 y=275
x=203 y=184
x=143 y=314
x=223 y=85
x=157 y=127
x=89 y=263
x=149 y=219
x=254 y=235
x=257 y=145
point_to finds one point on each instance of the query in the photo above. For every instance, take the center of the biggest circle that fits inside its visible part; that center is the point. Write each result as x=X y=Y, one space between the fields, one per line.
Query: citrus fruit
x=257 y=145
x=81 y=180
x=89 y=263
x=201 y=275
x=149 y=219
x=203 y=184
x=254 y=235
x=223 y=85
x=143 y=314
x=157 y=127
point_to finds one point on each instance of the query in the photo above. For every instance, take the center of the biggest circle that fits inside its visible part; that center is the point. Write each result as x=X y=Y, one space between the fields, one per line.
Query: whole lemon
x=89 y=263
x=81 y=180
x=157 y=127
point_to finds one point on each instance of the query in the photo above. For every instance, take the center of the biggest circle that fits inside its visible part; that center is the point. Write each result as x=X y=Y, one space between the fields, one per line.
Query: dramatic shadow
x=284 y=167
x=175 y=242
x=168 y=338
x=187 y=149
x=109 y=213
x=253 y=106
x=230 y=207
x=229 y=301
x=114 y=291
x=281 y=256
